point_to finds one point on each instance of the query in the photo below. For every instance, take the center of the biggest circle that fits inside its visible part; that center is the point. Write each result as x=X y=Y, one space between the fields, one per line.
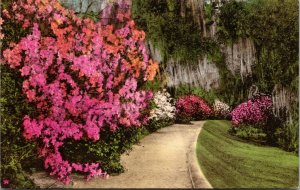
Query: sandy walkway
x=164 y=159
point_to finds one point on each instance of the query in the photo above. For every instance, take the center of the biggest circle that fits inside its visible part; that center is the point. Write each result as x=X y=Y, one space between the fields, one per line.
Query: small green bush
x=287 y=137
x=250 y=133
x=287 y=134
x=107 y=151
x=17 y=155
x=155 y=125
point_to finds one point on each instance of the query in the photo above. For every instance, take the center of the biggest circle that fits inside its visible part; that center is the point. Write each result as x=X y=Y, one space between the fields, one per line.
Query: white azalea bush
x=221 y=109
x=164 y=106
x=163 y=111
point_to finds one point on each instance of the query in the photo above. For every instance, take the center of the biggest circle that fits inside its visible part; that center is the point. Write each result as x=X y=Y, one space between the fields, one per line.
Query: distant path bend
x=163 y=159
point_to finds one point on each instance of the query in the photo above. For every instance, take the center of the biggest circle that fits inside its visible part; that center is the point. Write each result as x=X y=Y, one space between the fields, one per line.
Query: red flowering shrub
x=192 y=107
x=82 y=77
x=254 y=111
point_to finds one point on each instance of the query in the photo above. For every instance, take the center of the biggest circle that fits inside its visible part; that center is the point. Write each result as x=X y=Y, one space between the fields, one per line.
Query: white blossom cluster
x=221 y=108
x=165 y=108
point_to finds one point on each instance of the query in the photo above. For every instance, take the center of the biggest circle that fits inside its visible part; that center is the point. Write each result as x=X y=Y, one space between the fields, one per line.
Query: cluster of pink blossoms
x=81 y=75
x=253 y=111
x=193 y=107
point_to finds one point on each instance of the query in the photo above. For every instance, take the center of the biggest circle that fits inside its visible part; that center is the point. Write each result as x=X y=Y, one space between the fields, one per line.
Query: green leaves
x=16 y=153
x=107 y=151
x=174 y=35
x=273 y=26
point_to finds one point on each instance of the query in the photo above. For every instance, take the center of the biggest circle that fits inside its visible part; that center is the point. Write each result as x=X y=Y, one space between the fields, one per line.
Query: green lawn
x=228 y=162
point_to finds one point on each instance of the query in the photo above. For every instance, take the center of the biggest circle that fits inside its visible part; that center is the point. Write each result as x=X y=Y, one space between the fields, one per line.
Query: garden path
x=164 y=159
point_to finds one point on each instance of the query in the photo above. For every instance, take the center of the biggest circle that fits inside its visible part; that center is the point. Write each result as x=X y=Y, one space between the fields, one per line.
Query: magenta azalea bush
x=192 y=107
x=81 y=75
x=254 y=111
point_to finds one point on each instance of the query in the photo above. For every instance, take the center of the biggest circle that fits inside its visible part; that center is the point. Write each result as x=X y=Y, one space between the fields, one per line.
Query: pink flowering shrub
x=192 y=107
x=253 y=111
x=81 y=76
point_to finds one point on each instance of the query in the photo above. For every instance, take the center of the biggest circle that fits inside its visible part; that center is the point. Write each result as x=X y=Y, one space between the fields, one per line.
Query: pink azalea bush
x=254 y=111
x=192 y=107
x=80 y=74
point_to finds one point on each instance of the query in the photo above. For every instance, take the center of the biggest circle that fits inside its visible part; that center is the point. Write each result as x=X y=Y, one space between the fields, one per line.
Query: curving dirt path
x=164 y=159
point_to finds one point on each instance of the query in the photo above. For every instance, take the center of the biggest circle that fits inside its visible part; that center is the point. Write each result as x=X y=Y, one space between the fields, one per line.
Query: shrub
x=154 y=125
x=163 y=111
x=286 y=131
x=192 y=107
x=17 y=155
x=250 y=133
x=81 y=76
x=286 y=136
x=221 y=109
x=164 y=107
x=107 y=150
x=255 y=111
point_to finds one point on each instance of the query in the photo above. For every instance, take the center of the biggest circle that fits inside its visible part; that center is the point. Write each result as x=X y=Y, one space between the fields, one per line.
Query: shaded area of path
x=164 y=159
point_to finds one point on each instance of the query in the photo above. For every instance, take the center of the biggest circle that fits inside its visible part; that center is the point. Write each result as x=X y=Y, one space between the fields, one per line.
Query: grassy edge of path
x=229 y=163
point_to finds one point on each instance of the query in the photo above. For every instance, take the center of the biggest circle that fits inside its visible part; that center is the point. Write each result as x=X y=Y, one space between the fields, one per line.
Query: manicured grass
x=228 y=162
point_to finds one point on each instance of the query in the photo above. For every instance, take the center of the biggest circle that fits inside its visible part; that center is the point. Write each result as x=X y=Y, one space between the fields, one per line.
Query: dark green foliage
x=107 y=151
x=231 y=21
x=208 y=11
x=287 y=134
x=154 y=85
x=154 y=125
x=175 y=36
x=17 y=155
x=273 y=26
x=183 y=119
x=250 y=133
x=232 y=89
